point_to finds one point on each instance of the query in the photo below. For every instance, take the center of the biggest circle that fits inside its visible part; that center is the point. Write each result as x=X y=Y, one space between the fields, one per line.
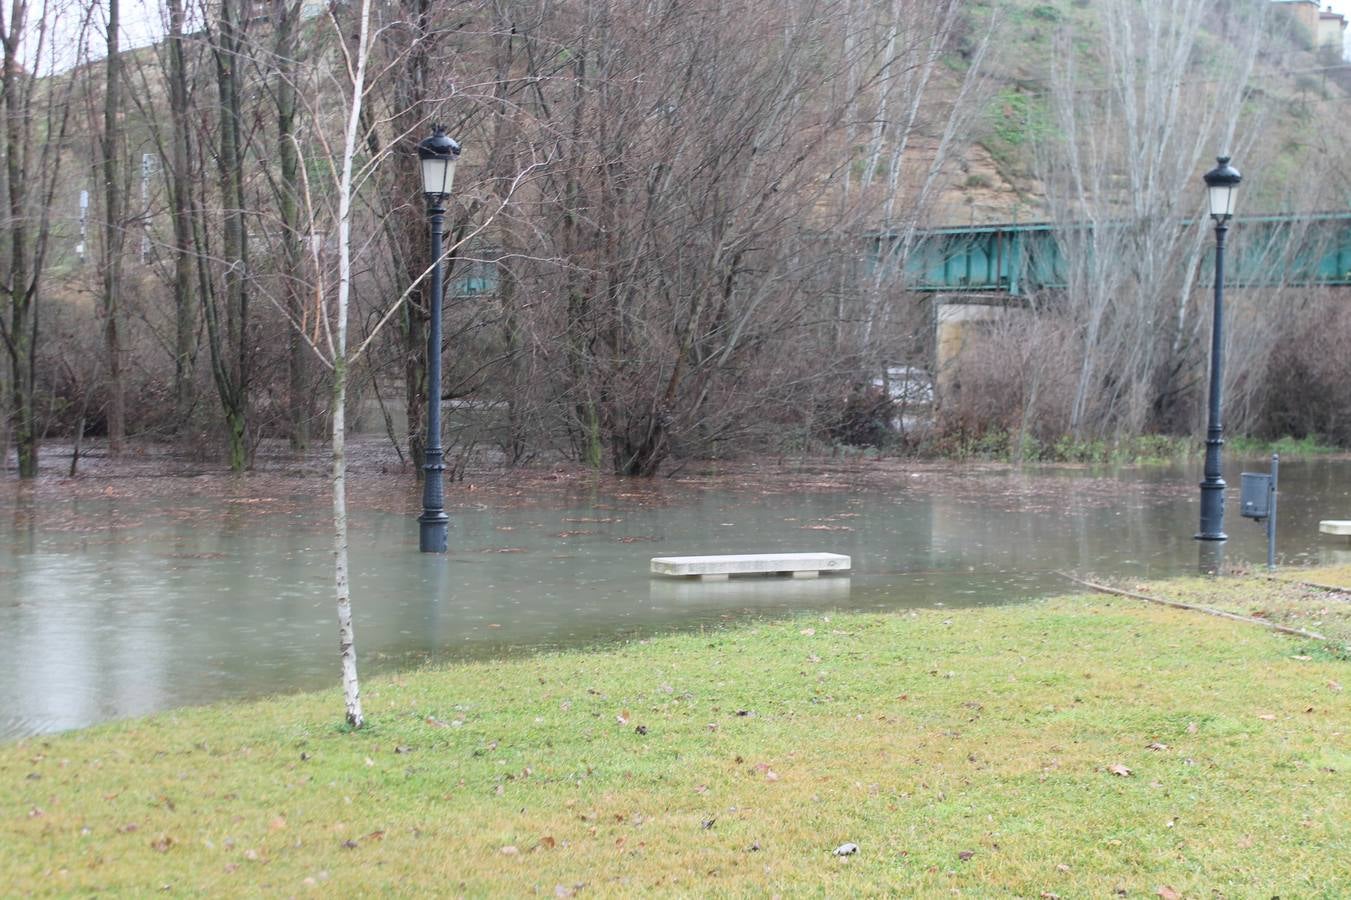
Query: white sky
x=142 y=24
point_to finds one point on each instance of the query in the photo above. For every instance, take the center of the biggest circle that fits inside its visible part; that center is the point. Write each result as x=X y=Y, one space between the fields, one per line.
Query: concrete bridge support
x=957 y=320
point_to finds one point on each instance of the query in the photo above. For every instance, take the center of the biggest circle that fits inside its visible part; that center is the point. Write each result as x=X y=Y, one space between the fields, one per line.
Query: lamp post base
x=1212 y=507
x=433 y=532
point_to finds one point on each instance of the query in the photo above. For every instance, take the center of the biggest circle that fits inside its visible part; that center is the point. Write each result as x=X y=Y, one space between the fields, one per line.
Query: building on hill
x=1324 y=27
x=1331 y=29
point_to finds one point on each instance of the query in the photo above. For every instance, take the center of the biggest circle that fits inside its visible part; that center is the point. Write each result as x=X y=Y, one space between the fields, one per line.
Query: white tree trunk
x=351 y=688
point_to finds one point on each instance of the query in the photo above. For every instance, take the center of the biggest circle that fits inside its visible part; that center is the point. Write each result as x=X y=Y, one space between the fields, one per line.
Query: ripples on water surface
x=119 y=604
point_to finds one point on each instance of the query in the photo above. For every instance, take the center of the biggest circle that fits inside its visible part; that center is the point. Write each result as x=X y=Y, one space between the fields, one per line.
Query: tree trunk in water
x=113 y=237
x=230 y=350
x=22 y=326
x=284 y=14
x=185 y=319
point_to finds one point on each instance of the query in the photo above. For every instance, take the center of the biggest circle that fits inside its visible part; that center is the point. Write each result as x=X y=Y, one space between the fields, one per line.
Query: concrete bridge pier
x=958 y=318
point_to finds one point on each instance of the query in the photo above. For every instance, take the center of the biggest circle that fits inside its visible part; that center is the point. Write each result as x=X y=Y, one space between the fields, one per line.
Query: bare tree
x=181 y=203
x=35 y=120
x=1121 y=179
x=114 y=228
x=228 y=340
x=285 y=20
x=350 y=166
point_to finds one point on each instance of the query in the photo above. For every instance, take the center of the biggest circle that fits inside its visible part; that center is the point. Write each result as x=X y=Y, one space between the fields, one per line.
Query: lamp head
x=1222 y=187
x=438 y=155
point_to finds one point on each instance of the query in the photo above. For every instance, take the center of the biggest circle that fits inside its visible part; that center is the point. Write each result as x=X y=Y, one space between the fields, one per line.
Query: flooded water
x=124 y=604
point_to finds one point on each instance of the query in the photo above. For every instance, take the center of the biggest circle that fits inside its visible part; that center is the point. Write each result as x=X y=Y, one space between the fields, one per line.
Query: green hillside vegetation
x=1294 y=98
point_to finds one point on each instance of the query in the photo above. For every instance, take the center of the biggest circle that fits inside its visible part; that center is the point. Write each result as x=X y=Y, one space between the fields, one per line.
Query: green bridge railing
x=1017 y=259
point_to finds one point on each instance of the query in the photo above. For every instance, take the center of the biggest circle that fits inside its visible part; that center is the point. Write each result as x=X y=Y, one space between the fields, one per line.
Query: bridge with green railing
x=1019 y=259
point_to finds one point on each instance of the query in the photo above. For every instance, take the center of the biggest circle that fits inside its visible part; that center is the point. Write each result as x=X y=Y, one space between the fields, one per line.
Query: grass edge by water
x=969 y=750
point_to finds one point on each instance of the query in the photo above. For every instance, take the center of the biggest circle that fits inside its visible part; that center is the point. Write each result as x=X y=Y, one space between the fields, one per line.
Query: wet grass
x=1070 y=747
x=1286 y=598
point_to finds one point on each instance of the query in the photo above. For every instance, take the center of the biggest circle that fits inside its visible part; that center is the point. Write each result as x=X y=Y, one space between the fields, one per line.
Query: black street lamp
x=1222 y=186
x=438 y=154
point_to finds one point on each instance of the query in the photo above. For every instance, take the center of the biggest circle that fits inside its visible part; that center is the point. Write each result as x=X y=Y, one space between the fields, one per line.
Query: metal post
x=147 y=166
x=1271 y=513
x=1212 y=488
x=434 y=523
x=84 y=224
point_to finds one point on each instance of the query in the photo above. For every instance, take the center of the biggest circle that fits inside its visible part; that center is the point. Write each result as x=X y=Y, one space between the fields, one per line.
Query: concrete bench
x=1340 y=527
x=719 y=568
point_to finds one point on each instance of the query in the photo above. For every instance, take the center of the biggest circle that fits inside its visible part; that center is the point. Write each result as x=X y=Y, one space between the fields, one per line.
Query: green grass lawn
x=1074 y=747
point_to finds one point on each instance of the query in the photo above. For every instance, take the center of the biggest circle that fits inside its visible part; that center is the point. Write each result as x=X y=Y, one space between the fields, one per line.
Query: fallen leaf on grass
x=1266 y=717
x=623 y=717
x=1119 y=769
x=1157 y=746
x=966 y=854
x=845 y=850
x=548 y=842
x=1168 y=893
x=162 y=843
x=509 y=851
x=764 y=769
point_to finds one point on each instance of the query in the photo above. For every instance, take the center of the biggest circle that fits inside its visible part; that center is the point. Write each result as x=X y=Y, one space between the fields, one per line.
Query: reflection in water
x=1209 y=557
x=681 y=594
x=117 y=606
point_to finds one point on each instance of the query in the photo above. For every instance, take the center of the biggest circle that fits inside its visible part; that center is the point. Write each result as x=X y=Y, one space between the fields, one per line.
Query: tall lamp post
x=437 y=154
x=1221 y=186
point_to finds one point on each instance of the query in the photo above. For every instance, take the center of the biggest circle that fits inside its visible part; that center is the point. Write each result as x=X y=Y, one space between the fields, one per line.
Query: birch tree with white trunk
x=351 y=687
x=351 y=166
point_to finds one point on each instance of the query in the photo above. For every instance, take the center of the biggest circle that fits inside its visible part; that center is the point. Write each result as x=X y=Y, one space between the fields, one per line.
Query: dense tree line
x=657 y=235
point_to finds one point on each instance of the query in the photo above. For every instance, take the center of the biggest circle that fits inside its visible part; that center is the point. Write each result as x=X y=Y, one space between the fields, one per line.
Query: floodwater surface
x=119 y=603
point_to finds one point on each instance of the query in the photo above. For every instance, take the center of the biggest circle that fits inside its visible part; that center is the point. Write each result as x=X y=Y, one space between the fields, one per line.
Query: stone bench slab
x=719 y=568
x=1335 y=526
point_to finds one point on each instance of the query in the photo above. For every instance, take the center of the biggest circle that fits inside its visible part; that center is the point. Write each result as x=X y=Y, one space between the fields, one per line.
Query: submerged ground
x=1077 y=746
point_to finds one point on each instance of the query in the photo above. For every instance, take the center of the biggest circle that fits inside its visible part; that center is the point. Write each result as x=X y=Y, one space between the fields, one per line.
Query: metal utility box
x=1255 y=498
